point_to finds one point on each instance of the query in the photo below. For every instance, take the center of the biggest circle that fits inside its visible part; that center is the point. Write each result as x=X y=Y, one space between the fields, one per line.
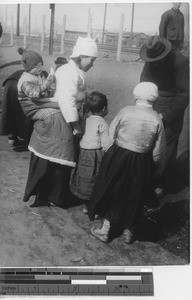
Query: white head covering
x=146 y=91
x=85 y=46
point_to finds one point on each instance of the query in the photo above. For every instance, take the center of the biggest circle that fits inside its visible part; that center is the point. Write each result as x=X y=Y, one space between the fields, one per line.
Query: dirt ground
x=51 y=236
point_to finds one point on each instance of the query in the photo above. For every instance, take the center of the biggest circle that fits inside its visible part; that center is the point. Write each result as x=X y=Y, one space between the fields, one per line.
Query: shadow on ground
x=169 y=227
x=180 y=173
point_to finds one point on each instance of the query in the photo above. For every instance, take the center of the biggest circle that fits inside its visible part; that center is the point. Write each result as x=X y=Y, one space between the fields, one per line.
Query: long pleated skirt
x=47 y=180
x=122 y=184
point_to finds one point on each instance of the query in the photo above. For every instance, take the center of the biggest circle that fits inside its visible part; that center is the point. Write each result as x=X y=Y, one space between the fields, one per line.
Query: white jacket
x=70 y=90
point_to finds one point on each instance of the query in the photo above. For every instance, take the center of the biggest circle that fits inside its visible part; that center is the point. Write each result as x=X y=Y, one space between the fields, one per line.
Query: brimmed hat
x=61 y=60
x=155 y=48
x=146 y=91
x=85 y=46
x=30 y=58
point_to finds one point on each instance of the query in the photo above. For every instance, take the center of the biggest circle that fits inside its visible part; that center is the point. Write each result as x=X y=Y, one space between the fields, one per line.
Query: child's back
x=96 y=135
x=94 y=142
x=137 y=128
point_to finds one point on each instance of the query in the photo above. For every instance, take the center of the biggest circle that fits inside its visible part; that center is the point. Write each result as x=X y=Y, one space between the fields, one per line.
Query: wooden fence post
x=51 y=37
x=25 y=32
x=89 y=25
x=43 y=33
x=11 y=44
x=18 y=19
x=63 y=35
x=120 y=38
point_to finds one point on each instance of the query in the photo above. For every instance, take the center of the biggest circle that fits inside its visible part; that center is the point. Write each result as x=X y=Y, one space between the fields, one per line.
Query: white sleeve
x=159 y=149
x=113 y=129
x=104 y=135
x=66 y=92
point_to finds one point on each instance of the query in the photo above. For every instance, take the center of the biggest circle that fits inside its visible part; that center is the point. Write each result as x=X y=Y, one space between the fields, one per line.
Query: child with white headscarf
x=124 y=178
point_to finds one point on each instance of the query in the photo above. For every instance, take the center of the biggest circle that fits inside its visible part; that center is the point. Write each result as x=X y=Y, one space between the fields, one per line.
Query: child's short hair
x=96 y=102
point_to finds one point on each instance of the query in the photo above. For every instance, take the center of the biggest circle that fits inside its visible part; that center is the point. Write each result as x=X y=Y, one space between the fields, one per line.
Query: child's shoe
x=103 y=233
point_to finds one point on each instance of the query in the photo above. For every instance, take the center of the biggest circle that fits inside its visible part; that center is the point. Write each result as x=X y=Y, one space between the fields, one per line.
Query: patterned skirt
x=84 y=176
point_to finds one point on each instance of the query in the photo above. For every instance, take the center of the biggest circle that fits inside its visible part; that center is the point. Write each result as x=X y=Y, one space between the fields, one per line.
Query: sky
x=146 y=15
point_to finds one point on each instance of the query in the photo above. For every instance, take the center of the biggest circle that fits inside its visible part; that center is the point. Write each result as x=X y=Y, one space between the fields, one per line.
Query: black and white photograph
x=94 y=134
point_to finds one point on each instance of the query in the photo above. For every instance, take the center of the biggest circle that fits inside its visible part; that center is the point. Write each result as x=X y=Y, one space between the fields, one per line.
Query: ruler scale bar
x=76 y=281
x=75 y=289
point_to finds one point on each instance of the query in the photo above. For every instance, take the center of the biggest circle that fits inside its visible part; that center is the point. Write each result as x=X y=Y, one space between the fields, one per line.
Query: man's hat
x=155 y=49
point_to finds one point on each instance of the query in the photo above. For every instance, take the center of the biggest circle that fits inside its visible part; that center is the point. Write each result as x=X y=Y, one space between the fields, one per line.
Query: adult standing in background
x=169 y=70
x=171 y=26
x=14 y=123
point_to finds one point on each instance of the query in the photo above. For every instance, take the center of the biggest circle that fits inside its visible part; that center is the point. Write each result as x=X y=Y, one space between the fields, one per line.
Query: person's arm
x=160 y=145
x=104 y=136
x=45 y=103
x=67 y=90
x=146 y=74
x=113 y=128
x=163 y=25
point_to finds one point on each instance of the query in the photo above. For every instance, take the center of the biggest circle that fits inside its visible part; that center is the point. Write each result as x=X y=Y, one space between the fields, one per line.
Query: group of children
x=115 y=163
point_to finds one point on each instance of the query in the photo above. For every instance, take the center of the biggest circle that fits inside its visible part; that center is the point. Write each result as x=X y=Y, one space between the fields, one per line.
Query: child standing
x=126 y=169
x=94 y=143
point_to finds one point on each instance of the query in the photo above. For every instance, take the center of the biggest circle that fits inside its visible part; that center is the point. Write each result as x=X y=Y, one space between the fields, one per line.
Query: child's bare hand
x=77 y=132
x=50 y=82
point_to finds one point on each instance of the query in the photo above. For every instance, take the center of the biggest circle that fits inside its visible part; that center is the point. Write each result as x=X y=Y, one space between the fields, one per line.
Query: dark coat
x=1 y=30
x=172 y=79
x=13 y=119
x=172 y=25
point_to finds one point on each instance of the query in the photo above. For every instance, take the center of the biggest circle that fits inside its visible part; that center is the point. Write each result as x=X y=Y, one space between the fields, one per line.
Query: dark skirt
x=84 y=176
x=47 y=180
x=121 y=186
x=13 y=119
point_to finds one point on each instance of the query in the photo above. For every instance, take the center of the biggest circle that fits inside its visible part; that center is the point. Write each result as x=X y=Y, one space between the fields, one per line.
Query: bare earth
x=51 y=236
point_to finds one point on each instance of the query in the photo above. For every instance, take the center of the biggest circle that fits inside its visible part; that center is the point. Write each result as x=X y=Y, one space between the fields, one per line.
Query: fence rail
x=36 y=40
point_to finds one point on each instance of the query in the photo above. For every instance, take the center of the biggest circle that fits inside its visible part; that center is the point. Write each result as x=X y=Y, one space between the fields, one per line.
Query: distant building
x=73 y=35
x=138 y=39
x=110 y=38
